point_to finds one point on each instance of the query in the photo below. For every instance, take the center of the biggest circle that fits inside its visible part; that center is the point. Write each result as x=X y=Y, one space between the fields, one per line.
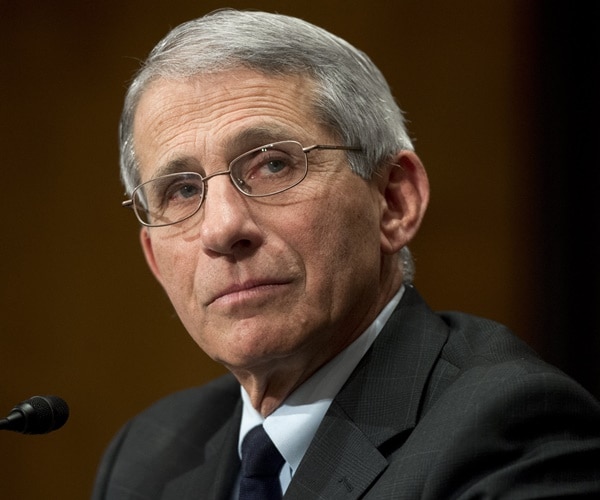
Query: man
x=278 y=190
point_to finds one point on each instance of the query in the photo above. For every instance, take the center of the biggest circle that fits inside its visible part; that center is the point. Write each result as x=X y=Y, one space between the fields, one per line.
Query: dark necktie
x=261 y=464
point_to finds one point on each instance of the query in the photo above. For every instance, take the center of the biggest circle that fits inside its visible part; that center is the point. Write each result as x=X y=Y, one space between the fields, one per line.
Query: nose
x=227 y=226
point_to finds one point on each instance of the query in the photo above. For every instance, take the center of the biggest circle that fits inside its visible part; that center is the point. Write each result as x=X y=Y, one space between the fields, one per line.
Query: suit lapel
x=214 y=479
x=340 y=463
x=376 y=409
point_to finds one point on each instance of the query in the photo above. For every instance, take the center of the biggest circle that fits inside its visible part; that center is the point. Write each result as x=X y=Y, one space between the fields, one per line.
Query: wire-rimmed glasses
x=263 y=171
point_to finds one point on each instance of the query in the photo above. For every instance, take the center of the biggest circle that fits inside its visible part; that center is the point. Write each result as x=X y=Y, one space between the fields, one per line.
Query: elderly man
x=278 y=190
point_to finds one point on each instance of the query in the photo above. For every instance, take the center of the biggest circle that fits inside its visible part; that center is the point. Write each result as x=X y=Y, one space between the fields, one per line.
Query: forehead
x=223 y=113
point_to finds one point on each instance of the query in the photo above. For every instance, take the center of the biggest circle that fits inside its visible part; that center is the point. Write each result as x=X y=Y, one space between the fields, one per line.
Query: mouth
x=237 y=294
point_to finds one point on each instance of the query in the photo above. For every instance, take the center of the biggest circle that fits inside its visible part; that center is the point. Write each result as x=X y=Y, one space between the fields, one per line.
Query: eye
x=269 y=169
x=267 y=163
x=174 y=190
x=275 y=166
x=181 y=190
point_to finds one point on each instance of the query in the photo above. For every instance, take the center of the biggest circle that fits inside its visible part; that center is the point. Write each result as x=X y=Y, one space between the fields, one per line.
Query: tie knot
x=260 y=457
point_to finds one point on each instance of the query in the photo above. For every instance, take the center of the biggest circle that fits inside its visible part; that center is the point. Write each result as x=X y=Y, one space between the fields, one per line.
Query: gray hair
x=351 y=96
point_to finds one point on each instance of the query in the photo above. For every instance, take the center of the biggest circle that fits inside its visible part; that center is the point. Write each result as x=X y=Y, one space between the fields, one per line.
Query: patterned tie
x=261 y=464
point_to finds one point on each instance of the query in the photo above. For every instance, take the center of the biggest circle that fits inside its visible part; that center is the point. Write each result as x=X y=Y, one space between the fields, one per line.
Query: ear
x=404 y=190
x=146 y=242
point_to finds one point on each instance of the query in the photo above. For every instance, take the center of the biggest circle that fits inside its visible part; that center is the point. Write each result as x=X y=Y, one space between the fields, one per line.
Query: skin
x=273 y=287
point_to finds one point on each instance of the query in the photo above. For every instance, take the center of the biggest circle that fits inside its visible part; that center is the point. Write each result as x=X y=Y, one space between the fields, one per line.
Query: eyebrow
x=182 y=164
x=257 y=136
x=236 y=145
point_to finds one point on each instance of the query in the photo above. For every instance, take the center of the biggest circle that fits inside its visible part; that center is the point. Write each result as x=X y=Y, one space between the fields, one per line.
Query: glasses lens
x=168 y=199
x=269 y=169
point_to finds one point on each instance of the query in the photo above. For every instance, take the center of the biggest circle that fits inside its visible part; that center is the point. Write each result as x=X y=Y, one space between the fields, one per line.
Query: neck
x=267 y=391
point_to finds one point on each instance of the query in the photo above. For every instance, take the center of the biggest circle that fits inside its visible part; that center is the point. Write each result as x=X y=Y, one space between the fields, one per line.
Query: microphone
x=37 y=415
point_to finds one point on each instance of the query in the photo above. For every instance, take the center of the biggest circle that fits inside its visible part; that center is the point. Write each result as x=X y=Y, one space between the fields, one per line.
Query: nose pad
x=242 y=185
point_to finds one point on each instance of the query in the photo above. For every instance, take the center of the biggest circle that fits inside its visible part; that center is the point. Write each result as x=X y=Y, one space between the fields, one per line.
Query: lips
x=246 y=290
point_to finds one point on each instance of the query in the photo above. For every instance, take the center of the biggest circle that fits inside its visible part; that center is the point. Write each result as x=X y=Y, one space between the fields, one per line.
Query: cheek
x=177 y=269
x=338 y=242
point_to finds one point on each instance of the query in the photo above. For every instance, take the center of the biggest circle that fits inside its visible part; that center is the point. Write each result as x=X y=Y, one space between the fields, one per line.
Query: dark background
x=502 y=100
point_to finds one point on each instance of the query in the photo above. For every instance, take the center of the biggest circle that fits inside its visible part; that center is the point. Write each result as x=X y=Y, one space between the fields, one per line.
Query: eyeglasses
x=263 y=171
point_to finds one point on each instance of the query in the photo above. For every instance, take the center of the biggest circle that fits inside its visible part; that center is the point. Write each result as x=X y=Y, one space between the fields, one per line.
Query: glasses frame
x=130 y=203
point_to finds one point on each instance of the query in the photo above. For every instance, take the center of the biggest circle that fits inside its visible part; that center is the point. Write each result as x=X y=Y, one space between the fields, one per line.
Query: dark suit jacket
x=442 y=406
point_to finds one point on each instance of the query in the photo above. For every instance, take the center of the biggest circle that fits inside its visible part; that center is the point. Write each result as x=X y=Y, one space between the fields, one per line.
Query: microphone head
x=39 y=415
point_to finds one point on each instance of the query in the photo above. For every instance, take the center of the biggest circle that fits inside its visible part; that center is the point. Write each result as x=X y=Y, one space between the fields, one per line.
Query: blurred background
x=502 y=100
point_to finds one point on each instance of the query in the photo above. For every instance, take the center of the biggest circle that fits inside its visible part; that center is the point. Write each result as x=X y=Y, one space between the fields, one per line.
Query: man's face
x=261 y=283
